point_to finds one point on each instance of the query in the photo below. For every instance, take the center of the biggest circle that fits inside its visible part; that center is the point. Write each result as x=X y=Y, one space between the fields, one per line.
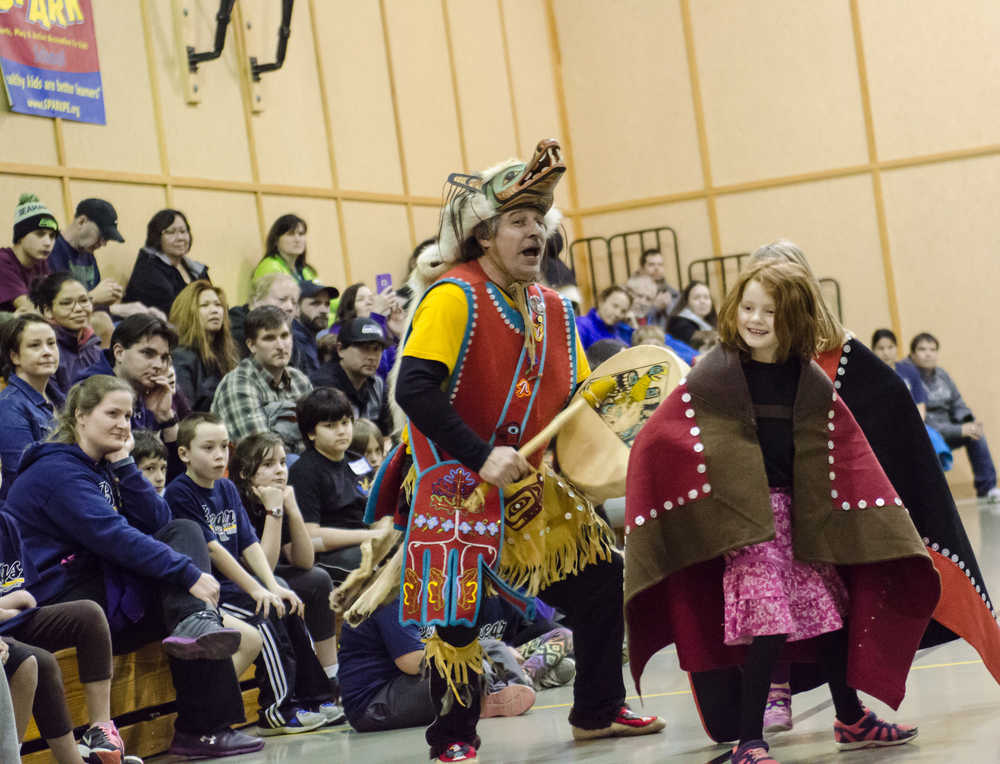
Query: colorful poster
x=48 y=56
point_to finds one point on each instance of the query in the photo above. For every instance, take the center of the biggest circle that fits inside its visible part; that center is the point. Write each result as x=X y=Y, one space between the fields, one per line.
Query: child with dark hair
x=150 y=456
x=325 y=484
x=295 y=693
x=258 y=468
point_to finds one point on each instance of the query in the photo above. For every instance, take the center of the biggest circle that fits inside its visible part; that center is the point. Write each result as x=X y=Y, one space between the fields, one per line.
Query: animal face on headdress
x=472 y=199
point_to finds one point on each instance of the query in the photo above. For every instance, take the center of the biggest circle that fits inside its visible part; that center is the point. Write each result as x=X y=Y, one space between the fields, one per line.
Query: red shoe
x=458 y=753
x=753 y=752
x=871 y=732
x=626 y=724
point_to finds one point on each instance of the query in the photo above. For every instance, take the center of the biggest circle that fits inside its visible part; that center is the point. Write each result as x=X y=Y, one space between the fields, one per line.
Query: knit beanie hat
x=29 y=215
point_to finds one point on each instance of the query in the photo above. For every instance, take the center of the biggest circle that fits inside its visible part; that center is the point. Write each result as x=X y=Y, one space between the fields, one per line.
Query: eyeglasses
x=82 y=301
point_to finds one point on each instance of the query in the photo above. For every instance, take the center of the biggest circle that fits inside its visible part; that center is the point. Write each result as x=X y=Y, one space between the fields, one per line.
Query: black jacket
x=156 y=283
x=194 y=379
x=370 y=402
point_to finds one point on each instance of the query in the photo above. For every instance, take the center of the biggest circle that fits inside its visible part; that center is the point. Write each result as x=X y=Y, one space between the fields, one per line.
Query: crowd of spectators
x=213 y=465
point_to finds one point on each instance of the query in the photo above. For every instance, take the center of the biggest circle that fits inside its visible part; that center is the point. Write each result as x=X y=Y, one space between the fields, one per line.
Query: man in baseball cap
x=314 y=317
x=360 y=343
x=94 y=224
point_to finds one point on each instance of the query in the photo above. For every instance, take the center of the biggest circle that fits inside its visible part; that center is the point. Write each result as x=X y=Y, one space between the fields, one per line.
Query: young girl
x=761 y=527
x=259 y=470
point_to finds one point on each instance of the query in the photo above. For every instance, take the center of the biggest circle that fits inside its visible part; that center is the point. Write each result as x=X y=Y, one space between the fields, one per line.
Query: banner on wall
x=48 y=57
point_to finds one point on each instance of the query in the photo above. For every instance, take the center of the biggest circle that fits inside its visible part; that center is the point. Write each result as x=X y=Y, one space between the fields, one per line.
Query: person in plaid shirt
x=259 y=395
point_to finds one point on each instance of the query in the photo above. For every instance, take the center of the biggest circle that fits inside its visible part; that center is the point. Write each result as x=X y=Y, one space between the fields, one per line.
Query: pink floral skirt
x=767 y=591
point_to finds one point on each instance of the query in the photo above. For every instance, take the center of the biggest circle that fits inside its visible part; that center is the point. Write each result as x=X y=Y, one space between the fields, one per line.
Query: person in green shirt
x=285 y=250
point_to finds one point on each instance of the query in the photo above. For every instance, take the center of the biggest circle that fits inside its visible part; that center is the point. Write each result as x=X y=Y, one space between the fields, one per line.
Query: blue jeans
x=984 y=474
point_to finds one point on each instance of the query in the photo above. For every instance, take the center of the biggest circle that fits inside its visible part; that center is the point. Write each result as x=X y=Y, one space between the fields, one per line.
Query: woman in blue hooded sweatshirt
x=95 y=529
x=29 y=356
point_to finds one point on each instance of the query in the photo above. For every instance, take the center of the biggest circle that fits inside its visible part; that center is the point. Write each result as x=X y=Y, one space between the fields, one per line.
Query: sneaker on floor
x=102 y=744
x=992 y=496
x=871 y=732
x=753 y=752
x=458 y=753
x=202 y=636
x=299 y=720
x=213 y=745
x=626 y=724
x=778 y=711
x=512 y=700
x=562 y=673
x=334 y=713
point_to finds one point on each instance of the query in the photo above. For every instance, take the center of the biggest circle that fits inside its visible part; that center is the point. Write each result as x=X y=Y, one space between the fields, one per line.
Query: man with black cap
x=95 y=224
x=35 y=231
x=359 y=344
x=314 y=316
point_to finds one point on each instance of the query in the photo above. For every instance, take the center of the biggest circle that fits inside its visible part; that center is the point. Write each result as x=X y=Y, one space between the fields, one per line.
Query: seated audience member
x=260 y=394
x=99 y=532
x=277 y=289
x=704 y=340
x=607 y=320
x=27 y=261
x=162 y=267
x=359 y=346
x=140 y=355
x=294 y=686
x=650 y=334
x=259 y=470
x=383 y=685
x=948 y=413
x=150 y=456
x=642 y=289
x=205 y=350
x=652 y=264
x=66 y=305
x=94 y=224
x=29 y=358
x=692 y=311
x=327 y=489
x=314 y=316
x=368 y=443
x=385 y=308
x=602 y=350
x=285 y=251
x=30 y=635
x=884 y=345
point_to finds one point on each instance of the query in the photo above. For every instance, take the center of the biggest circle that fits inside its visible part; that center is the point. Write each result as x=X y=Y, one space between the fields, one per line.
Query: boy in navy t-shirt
x=295 y=694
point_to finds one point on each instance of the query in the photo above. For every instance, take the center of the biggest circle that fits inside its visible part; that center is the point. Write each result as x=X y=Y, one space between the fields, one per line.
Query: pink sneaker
x=512 y=700
x=753 y=752
x=871 y=732
x=778 y=711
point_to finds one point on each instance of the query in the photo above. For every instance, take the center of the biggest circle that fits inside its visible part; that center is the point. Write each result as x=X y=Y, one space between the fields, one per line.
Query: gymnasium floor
x=950 y=696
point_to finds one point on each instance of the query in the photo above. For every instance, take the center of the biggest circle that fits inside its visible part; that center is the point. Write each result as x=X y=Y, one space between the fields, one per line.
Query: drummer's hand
x=504 y=465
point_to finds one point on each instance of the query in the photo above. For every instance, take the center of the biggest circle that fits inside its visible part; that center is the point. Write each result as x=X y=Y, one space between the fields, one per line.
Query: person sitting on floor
x=150 y=456
x=332 y=502
x=948 y=413
x=95 y=529
x=295 y=693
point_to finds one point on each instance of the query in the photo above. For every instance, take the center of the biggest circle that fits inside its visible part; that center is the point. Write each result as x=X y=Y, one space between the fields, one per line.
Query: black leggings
x=762 y=655
x=54 y=627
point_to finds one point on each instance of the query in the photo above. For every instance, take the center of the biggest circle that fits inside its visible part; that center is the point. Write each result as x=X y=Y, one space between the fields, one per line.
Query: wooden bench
x=142 y=702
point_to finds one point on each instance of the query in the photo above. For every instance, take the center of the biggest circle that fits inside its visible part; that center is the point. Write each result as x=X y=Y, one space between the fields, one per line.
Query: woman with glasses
x=65 y=304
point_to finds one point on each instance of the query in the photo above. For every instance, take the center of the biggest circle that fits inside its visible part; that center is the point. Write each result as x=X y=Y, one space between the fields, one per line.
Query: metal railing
x=604 y=256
